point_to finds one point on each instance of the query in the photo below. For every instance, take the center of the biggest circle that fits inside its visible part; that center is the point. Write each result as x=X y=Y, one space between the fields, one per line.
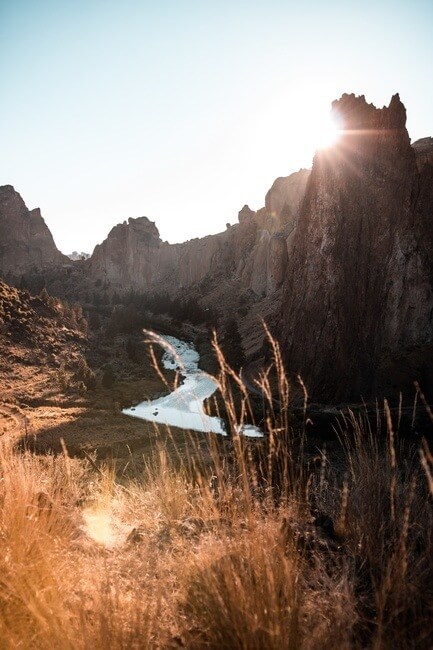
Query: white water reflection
x=184 y=406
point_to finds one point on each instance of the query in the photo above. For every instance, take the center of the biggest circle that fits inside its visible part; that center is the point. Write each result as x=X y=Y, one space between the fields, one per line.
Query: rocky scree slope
x=37 y=335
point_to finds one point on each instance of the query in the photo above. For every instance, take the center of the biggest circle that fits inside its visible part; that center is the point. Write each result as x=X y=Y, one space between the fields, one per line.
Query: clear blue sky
x=183 y=111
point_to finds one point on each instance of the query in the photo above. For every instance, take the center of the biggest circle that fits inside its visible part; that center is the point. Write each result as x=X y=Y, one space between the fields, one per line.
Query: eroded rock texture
x=357 y=312
x=26 y=242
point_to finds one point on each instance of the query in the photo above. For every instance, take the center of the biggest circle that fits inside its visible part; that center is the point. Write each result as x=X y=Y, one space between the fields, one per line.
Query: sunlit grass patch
x=248 y=545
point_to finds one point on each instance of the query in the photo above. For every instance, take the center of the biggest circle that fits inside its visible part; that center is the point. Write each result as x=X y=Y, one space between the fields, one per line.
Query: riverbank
x=44 y=407
x=184 y=406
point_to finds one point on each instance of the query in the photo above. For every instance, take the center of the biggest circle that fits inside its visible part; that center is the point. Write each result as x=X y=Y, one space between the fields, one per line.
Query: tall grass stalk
x=239 y=544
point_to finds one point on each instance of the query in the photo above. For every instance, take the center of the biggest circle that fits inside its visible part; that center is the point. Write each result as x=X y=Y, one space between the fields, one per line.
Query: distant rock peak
x=423 y=144
x=75 y=256
x=26 y=242
x=355 y=113
x=7 y=189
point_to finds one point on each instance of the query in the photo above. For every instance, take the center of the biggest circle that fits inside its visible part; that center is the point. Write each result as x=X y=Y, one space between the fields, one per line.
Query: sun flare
x=327 y=133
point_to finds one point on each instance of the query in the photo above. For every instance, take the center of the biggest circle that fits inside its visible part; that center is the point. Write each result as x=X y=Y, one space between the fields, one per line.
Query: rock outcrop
x=283 y=201
x=357 y=310
x=252 y=254
x=26 y=242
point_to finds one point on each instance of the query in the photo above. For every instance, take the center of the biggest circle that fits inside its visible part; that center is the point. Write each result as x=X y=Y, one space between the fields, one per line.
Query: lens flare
x=327 y=133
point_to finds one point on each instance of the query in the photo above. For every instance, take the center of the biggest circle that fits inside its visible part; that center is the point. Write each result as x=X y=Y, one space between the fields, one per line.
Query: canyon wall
x=26 y=242
x=339 y=260
x=357 y=308
x=252 y=252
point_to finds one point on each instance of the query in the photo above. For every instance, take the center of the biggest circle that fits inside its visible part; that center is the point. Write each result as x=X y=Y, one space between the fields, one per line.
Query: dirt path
x=12 y=421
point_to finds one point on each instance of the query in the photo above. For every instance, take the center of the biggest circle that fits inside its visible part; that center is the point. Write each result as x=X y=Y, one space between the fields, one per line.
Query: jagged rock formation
x=252 y=253
x=26 y=242
x=126 y=258
x=357 y=314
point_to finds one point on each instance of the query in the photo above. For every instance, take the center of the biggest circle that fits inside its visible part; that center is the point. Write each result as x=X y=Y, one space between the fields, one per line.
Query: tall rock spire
x=26 y=242
x=358 y=294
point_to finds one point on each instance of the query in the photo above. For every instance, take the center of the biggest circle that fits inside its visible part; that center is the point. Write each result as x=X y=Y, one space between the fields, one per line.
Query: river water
x=183 y=407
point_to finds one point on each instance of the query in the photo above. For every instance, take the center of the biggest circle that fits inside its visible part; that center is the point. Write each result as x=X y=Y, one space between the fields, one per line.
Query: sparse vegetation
x=85 y=374
x=256 y=547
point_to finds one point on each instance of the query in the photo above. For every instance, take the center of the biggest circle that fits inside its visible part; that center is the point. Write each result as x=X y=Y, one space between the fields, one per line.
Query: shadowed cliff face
x=423 y=152
x=25 y=240
x=358 y=299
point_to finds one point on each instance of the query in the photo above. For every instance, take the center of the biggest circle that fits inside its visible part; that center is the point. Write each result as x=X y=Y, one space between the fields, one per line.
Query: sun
x=327 y=133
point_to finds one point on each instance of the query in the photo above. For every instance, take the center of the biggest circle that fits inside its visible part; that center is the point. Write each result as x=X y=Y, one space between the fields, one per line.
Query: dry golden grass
x=248 y=551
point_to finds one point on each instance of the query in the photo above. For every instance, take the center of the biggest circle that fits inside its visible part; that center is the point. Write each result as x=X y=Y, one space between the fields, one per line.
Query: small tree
x=85 y=374
x=63 y=377
x=44 y=295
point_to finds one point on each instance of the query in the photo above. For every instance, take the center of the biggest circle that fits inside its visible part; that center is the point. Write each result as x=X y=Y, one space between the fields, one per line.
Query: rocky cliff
x=244 y=265
x=26 y=242
x=357 y=309
x=252 y=253
x=339 y=259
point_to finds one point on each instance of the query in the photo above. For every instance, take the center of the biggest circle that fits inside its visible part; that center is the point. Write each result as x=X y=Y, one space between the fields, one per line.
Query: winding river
x=183 y=407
